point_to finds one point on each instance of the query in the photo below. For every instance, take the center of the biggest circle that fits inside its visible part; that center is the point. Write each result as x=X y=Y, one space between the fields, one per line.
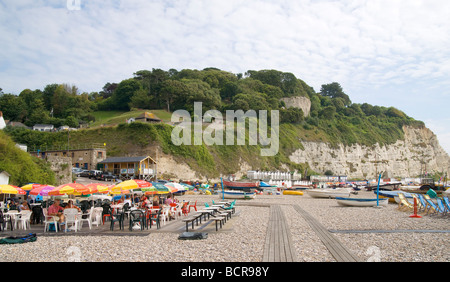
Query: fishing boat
x=236 y=185
x=230 y=194
x=329 y=193
x=385 y=186
x=361 y=202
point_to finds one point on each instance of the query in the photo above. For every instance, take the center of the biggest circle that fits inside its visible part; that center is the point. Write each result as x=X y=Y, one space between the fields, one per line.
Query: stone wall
x=62 y=167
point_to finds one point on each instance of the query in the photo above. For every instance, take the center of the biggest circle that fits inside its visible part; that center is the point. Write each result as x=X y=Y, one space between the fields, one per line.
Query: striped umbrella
x=11 y=189
x=42 y=190
x=96 y=188
x=69 y=188
x=157 y=188
x=129 y=185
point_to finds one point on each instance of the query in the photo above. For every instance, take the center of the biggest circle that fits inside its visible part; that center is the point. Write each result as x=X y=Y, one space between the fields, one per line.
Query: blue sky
x=389 y=53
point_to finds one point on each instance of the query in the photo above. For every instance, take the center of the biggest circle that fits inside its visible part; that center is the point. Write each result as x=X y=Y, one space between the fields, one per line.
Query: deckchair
x=447 y=204
x=423 y=203
x=441 y=206
x=432 y=205
x=420 y=204
x=404 y=202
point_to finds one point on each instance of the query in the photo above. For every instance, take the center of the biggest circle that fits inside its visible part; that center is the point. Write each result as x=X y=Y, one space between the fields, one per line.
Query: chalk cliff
x=418 y=153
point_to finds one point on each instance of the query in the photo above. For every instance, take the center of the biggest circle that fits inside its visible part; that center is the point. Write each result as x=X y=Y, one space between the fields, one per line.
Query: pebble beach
x=383 y=234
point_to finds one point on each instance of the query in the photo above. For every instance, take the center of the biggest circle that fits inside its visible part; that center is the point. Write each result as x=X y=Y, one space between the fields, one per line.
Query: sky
x=388 y=53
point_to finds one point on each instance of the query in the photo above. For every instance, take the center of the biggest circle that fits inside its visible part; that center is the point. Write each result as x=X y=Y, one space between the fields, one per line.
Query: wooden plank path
x=337 y=250
x=278 y=246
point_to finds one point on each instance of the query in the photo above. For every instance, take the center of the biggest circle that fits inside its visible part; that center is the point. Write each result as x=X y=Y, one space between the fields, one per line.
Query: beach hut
x=143 y=167
x=4 y=177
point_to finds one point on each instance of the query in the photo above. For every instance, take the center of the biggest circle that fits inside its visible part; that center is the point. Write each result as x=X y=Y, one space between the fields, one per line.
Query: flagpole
x=378 y=188
x=223 y=193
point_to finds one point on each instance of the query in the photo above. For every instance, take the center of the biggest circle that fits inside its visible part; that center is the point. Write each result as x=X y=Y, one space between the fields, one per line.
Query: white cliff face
x=418 y=153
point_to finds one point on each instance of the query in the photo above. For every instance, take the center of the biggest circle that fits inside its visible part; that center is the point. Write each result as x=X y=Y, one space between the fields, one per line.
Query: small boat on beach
x=230 y=194
x=300 y=187
x=292 y=192
x=385 y=186
x=329 y=193
x=361 y=202
x=392 y=196
x=236 y=185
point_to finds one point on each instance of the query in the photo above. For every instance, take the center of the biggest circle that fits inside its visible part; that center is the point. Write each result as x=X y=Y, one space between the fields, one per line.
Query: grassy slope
x=22 y=167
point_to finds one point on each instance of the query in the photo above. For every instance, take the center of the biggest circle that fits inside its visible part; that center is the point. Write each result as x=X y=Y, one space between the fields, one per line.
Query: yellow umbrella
x=129 y=185
x=32 y=186
x=92 y=189
x=70 y=188
x=11 y=189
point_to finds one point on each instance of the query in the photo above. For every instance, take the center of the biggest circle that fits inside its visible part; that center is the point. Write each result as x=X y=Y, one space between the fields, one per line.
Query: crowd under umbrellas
x=36 y=192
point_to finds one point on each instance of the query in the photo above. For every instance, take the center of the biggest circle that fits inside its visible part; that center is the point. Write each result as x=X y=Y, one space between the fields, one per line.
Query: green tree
x=13 y=107
x=123 y=94
x=171 y=91
x=334 y=90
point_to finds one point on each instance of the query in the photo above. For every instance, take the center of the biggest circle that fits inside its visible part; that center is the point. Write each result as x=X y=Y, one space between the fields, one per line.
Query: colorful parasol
x=42 y=190
x=32 y=186
x=128 y=185
x=11 y=189
x=157 y=188
x=69 y=188
x=96 y=188
x=175 y=187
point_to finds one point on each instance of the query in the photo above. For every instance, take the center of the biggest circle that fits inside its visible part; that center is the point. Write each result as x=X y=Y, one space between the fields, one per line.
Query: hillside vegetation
x=333 y=117
x=22 y=167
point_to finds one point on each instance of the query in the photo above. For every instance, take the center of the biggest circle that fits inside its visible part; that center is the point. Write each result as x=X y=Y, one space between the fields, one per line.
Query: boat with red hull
x=241 y=185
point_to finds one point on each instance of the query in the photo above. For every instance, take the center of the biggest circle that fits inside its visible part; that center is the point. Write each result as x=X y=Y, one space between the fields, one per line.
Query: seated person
x=24 y=206
x=56 y=210
x=144 y=202
x=70 y=205
x=169 y=200
x=155 y=201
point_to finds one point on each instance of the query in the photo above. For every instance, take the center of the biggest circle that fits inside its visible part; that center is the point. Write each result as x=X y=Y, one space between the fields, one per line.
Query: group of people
x=144 y=202
x=12 y=205
x=57 y=210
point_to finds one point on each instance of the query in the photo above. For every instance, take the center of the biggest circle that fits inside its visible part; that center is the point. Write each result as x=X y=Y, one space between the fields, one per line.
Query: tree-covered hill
x=333 y=118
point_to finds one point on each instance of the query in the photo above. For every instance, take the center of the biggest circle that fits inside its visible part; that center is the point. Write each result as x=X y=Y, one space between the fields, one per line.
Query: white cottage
x=2 y=121
x=4 y=177
x=43 y=127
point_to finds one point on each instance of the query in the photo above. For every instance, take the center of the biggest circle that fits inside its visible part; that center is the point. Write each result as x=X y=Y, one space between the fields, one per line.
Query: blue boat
x=361 y=202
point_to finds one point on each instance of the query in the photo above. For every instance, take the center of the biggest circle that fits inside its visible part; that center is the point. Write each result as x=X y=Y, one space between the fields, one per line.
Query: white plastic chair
x=13 y=218
x=87 y=219
x=71 y=217
x=24 y=219
x=97 y=216
x=49 y=220
x=165 y=215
